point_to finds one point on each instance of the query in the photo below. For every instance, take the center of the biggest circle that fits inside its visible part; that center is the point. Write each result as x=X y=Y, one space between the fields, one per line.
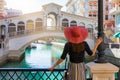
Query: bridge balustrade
x=28 y=32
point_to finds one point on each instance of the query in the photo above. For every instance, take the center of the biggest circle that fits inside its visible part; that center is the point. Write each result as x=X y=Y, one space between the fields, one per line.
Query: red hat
x=76 y=34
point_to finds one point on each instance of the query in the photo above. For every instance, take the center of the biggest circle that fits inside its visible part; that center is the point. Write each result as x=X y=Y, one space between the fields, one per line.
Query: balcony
x=115 y=10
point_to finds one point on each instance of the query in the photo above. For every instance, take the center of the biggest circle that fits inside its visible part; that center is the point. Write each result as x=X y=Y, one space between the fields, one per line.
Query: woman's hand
x=57 y=63
x=51 y=69
x=99 y=40
x=96 y=45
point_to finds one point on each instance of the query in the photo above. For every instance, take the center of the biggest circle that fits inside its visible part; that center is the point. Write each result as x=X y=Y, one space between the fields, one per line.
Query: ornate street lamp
x=100 y=56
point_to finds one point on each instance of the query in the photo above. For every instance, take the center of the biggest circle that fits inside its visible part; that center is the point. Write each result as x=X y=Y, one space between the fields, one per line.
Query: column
x=104 y=71
x=45 y=22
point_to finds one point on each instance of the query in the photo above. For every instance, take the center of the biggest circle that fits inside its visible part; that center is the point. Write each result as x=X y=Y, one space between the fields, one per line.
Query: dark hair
x=78 y=47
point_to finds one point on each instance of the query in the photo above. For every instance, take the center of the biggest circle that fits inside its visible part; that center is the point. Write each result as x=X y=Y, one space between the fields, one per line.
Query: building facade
x=90 y=10
x=12 y=12
x=115 y=10
x=76 y=7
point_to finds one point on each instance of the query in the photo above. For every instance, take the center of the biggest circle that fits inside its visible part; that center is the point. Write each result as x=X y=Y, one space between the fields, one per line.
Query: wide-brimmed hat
x=76 y=34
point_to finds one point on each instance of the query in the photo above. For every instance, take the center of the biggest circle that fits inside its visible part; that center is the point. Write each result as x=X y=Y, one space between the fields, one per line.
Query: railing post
x=104 y=71
x=119 y=75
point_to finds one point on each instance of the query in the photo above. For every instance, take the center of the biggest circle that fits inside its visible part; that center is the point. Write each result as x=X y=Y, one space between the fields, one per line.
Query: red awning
x=1 y=16
x=109 y=24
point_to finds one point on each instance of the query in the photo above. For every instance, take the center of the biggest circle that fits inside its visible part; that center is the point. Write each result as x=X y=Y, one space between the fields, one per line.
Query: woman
x=75 y=48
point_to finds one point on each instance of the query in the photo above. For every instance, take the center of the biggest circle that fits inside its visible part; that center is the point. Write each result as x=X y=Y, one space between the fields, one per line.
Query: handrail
x=30 y=74
x=28 y=69
x=28 y=32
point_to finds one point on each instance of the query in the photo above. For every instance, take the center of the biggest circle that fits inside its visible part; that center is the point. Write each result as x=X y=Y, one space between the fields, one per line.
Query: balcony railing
x=33 y=74
x=30 y=74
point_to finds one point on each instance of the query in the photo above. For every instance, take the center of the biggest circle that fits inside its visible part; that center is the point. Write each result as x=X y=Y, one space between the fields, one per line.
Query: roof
x=51 y=4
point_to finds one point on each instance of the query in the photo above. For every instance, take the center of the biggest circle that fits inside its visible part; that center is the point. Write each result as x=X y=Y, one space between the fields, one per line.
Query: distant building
x=92 y=9
x=76 y=7
x=89 y=8
x=6 y=13
x=2 y=10
x=13 y=12
x=115 y=10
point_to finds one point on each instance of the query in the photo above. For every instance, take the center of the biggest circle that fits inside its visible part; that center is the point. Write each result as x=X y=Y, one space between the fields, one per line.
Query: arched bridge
x=18 y=43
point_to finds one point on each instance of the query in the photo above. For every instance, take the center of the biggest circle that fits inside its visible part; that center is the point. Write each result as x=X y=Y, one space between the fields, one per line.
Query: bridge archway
x=51 y=20
x=30 y=25
x=73 y=23
x=20 y=42
x=38 y=24
x=21 y=27
x=45 y=38
x=65 y=22
x=12 y=27
x=81 y=24
x=90 y=28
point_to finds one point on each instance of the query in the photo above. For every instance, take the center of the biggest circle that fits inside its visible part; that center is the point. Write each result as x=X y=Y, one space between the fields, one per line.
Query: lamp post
x=100 y=56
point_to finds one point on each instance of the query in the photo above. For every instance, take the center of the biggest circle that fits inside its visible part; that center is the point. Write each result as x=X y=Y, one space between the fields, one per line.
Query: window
x=113 y=16
x=90 y=15
x=107 y=8
x=94 y=15
x=106 y=17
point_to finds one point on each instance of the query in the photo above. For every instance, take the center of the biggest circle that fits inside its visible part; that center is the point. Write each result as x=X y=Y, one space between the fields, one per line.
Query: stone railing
x=29 y=32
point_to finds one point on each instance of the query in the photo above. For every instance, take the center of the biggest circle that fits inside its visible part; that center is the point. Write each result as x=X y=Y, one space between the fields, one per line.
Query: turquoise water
x=43 y=56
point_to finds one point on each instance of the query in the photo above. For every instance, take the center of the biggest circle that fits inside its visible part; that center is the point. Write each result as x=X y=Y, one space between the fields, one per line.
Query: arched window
x=73 y=23
x=21 y=27
x=11 y=27
x=81 y=24
x=38 y=24
x=65 y=23
x=30 y=25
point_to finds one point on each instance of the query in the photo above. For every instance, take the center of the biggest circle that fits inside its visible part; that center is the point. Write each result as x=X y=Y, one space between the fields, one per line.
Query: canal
x=41 y=56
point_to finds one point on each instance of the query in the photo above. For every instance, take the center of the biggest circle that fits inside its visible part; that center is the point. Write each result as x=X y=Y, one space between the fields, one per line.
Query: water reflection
x=39 y=57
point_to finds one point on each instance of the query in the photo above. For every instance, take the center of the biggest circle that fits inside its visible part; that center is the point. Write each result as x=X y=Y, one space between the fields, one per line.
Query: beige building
x=13 y=12
x=2 y=8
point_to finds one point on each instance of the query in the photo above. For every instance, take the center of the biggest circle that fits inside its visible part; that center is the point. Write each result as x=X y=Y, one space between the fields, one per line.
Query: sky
x=28 y=6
